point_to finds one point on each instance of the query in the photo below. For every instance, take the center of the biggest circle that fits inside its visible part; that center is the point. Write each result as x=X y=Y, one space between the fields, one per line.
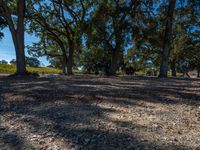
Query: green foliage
x=13 y=62
x=32 y=62
x=100 y=35
x=2 y=25
x=94 y=60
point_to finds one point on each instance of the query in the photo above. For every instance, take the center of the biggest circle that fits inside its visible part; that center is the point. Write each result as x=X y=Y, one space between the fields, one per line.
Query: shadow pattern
x=70 y=110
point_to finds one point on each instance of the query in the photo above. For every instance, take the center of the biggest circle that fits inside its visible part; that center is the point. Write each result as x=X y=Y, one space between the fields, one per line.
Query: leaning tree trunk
x=173 y=68
x=166 y=41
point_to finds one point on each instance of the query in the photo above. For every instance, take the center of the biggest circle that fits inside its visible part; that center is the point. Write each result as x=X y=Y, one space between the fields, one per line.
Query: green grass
x=9 y=69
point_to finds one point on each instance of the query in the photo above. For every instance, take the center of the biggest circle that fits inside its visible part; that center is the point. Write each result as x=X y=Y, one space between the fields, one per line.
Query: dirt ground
x=99 y=113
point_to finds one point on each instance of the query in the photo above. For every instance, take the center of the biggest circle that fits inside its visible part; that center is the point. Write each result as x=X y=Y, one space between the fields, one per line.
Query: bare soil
x=99 y=113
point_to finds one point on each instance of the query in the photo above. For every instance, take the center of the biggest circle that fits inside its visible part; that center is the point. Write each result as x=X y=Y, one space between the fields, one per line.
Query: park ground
x=99 y=113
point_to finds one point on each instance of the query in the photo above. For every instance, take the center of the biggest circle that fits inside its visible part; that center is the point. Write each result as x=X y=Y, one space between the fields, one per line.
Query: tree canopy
x=109 y=35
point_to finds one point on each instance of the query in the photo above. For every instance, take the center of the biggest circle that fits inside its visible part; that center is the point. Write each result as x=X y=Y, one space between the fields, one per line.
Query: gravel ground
x=99 y=113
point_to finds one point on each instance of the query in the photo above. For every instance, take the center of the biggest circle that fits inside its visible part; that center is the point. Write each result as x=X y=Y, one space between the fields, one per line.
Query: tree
x=32 y=62
x=167 y=39
x=50 y=49
x=59 y=23
x=109 y=28
x=185 y=36
x=94 y=60
x=3 y=62
x=55 y=62
x=10 y=11
x=13 y=62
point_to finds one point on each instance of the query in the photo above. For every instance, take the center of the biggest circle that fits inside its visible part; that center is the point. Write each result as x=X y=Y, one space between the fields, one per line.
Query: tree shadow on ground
x=69 y=110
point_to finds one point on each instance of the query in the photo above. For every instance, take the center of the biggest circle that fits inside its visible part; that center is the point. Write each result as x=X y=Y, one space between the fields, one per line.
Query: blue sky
x=7 y=51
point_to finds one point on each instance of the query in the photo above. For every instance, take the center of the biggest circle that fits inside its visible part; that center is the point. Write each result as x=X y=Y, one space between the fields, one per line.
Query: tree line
x=30 y=62
x=107 y=35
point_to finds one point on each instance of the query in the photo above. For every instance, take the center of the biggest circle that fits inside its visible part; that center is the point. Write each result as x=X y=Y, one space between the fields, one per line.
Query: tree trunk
x=173 y=68
x=64 y=57
x=69 y=67
x=187 y=74
x=20 y=54
x=20 y=58
x=114 y=62
x=166 y=41
x=64 y=64
x=18 y=40
x=70 y=59
x=17 y=34
x=198 y=73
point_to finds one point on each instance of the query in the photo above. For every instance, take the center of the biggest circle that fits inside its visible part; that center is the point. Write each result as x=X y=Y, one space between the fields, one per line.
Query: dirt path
x=90 y=113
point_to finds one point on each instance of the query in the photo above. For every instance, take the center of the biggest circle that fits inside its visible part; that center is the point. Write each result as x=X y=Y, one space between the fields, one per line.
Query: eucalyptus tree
x=59 y=22
x=13 y=12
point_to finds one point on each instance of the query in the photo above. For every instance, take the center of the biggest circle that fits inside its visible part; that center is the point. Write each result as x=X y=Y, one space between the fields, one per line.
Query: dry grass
x=8 y=69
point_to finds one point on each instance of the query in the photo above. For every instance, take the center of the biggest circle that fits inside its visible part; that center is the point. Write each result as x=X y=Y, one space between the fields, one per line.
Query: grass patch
x=9 y=69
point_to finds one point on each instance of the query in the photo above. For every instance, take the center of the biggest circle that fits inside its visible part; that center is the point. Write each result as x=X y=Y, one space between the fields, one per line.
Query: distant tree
x=3 y=62
x=50 y=66
x=55 y=62
x=32 y=62
x=13 y=62
x=133 y=59
x=94 y=60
